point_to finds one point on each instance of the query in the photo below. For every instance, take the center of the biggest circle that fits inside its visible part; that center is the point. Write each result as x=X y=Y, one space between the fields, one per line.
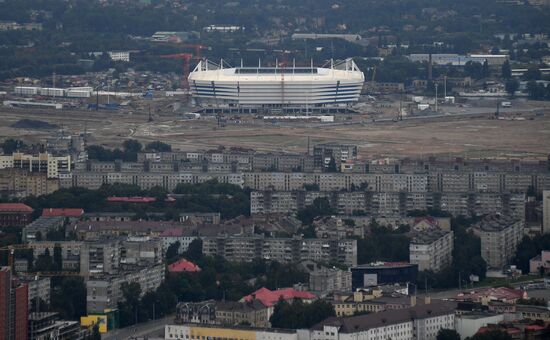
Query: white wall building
x=468 y=324
x=432 y=249
x=420 y=322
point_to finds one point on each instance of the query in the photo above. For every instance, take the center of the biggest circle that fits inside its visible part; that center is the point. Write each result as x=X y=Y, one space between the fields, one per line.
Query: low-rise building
x=39 y=228
x=431 y=249
x=500 y=236
x=15 y=214
x=381 y=273
x=226 y=313
x=418 y=322
x=469 y=324
x=47 y=325
x=177 y=332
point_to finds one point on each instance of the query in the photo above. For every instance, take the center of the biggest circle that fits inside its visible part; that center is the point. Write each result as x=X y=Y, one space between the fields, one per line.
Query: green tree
x=173 y=251
x=532 y=73
x=129 y=307
x=158 y=146
x=95 y=332
x=447 y=334
x=297 y=314
x=57 y=258
x=512 y=85
x=69 y=297
x=194 y=251
x=320 y=207
x=506 y=70
x=10 y=146
x=332 y=165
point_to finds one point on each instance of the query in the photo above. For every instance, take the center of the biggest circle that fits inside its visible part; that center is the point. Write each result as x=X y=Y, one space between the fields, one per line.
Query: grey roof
x=354 y=324
x=493 y=223
x=428 y=236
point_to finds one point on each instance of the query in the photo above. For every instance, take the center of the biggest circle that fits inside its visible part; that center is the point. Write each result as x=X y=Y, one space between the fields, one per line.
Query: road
x=151 y=329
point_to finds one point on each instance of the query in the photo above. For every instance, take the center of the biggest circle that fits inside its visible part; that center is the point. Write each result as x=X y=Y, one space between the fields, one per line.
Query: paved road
x=151 y=328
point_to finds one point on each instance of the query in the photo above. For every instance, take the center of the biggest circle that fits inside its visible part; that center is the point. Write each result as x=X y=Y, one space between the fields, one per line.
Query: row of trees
x=211 y=196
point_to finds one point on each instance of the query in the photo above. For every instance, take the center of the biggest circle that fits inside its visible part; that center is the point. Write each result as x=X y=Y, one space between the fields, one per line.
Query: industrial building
x=277 y=86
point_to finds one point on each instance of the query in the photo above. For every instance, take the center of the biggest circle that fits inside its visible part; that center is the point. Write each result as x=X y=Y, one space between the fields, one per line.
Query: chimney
x=427 y=300
x=413 y=300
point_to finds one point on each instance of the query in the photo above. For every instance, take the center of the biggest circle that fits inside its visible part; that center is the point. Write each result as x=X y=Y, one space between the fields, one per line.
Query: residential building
x=296 y=249
x=105 y=292
x=323 y=281
x=226 y=313
x=173 y=235
x=178 y=332
x=485 y=296
x=500 y=236
x=47 y=325
x=39 y=290
x=42 y=163
x=431 y=249
x=380 y=273
x=13 y=307
x=546 y=211
x=270 y=297
x=540 y=263
x=20 y=183
x=341 y=153
x=371 y=301
x=72 y=213
x=15 y=214
x=39 y=228
x=183 y=265
x=421 y=322
x=469 y=324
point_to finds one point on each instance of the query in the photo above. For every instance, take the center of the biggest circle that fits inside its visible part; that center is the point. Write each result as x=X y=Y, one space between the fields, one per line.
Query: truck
x=506 y=104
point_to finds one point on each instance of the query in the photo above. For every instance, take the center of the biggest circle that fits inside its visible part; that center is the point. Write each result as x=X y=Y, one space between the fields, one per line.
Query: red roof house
x=63 y=212
x=270 y=297
x=183 y=266
x=135 y=199
x=15 y=214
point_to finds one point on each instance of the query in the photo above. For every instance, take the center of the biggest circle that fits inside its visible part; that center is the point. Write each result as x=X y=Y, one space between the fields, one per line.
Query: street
x=150 y=329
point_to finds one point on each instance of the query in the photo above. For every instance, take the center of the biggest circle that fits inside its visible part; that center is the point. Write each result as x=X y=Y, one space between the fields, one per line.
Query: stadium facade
x=338 y=84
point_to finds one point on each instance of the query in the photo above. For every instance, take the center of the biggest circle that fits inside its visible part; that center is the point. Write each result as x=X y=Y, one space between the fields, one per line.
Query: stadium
x=288 y=88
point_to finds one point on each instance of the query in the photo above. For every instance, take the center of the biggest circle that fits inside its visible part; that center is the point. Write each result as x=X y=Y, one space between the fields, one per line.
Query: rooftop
x=494 y=223
x=64 y=212
x=428 y=236
x=355 y=324
x=271 y=297
x=15 y=207
x=183 y=266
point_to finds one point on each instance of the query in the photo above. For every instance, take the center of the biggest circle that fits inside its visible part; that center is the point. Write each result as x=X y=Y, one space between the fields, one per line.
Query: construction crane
x=187 y=57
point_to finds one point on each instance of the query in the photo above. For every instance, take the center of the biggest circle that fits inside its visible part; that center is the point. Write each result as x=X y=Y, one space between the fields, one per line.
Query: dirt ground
x=472 y=136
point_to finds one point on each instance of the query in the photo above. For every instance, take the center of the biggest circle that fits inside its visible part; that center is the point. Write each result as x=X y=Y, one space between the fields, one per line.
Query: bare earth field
x=473 y=136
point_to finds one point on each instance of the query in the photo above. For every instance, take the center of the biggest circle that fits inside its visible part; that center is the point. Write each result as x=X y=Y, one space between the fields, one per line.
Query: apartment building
x=105 y=292
x=341 y=153
x=500 y=236
x=18 y=183
x=431 y=249
x=13 y=306
x=389 y=203
x=43 y=163
x=245 y=249
x=418 y=322
x=145 y=180
x=324 y=280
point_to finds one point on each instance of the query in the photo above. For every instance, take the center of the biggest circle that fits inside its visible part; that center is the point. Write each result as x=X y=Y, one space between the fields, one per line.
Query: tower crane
x=187 y=57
